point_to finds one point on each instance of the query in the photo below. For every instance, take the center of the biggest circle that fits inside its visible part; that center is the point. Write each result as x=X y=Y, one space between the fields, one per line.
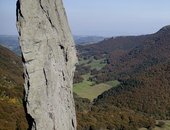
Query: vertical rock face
x=49 y=59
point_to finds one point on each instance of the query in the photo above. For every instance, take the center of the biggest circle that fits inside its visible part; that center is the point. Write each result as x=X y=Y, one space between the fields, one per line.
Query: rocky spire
x=49 y=59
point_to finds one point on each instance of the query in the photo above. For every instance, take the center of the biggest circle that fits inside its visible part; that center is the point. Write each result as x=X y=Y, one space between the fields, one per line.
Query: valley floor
x=90 y=90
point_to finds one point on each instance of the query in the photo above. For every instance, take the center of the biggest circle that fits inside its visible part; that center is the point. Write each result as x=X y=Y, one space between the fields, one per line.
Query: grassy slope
x=93 y=91
x=94 y=64
x=88 y=89
x=97 y=64
x=166 y=126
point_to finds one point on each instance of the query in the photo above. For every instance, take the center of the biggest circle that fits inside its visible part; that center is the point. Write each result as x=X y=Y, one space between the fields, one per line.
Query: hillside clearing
x=93 y=63
x=90 y=90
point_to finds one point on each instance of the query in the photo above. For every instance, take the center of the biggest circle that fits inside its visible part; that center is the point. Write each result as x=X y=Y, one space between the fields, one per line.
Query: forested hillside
x=89 y=116
x=11 y=91
x=128 y=58
x=130 y=74
x=142 y=70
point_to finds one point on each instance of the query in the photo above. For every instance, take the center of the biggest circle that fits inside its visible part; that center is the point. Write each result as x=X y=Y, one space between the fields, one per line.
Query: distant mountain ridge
x=153 y=50
x=11 y=41
x=82 y=40
x=124 y=54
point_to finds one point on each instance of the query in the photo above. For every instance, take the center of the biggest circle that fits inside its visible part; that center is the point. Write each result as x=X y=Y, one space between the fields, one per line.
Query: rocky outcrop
x=49 y=59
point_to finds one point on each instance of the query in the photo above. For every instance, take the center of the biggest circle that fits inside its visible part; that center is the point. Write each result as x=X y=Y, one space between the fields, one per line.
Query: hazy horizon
x=102 y=18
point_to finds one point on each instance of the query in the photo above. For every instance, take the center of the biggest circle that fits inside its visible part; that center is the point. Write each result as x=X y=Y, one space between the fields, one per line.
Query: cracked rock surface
x=49 y=58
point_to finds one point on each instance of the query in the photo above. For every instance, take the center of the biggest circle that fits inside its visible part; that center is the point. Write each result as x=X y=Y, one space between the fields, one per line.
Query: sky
x=102 y=17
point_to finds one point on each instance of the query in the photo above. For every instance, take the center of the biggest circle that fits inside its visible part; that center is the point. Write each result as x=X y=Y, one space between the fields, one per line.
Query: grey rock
x=49 y=59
